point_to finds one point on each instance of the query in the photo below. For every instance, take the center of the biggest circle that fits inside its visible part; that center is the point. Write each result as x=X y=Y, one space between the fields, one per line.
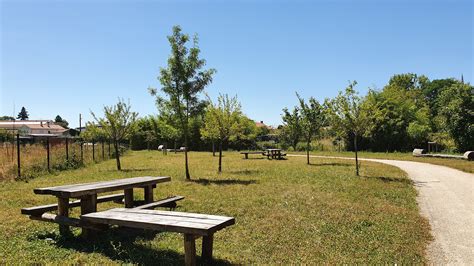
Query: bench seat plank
x=180 y=222
x=77 y=190
x=38 y=210
x=168 y=202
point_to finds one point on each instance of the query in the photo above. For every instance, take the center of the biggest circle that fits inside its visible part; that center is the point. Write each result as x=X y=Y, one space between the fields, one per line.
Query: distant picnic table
x=136 y=214
x=275 y=153
x=270 y=153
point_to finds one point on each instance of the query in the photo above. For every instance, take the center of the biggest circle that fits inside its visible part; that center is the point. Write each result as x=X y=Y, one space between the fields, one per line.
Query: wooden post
x=82 y=152
x=109 y=148
x=18 y=154
x=128 y=197
x=148 y=191
x=67 y=149
x=63 y=210
x=88 y=205
x=103 y=152
x=47 y=151
x=207 y=242
x=189 y=250
x=93 y=151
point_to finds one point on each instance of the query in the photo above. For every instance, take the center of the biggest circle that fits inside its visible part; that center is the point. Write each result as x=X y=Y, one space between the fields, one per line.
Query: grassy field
x=463 y=165
x=286 y=212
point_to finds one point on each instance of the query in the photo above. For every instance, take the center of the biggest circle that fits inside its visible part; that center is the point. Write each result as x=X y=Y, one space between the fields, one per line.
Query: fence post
x=47 y=150
x=93 y=151
x=18 y=153
x=82 y=152
x=103 y=152
x=67 y=149
x=109 y=148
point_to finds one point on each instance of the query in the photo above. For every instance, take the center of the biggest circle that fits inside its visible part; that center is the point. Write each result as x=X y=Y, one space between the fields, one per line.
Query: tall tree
x=312 y=120
x=23 y=114
x=182 y=81
x=224 y=116
x=117 y=124
x=291 y=131
x=458 y=114
x=346 y=113
x=60 y=121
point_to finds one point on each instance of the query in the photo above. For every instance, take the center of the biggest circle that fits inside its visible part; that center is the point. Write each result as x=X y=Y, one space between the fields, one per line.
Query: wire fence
x=25 y=158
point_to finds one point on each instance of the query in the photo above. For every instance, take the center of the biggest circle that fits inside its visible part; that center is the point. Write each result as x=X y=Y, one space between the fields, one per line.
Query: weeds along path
x=446 y=198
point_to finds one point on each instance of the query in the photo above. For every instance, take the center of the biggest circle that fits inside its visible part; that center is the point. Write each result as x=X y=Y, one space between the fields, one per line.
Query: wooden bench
x=192 y=225
x=246 y=153
x=39 y=210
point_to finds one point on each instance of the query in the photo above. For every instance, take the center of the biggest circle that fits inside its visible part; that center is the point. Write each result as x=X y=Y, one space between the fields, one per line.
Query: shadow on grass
x=244 y=172
x=390 y=179
x=120 y=244
x=205 y=181
x=130 y=170
x=330 y=164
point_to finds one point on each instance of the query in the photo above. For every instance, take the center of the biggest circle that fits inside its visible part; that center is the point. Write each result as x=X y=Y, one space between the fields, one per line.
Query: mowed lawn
x=460 y=164
x=286 y=212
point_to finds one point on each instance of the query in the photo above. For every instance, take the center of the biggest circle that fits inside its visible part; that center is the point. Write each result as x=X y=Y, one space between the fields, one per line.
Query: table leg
x=88 y=205
x=207 y=242
x=189 y=250
x=63 y=210
x=148 y=191
x=128 y=197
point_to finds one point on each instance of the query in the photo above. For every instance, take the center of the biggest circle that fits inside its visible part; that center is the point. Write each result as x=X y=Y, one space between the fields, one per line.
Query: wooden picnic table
x=87 y=193
x=274 y=153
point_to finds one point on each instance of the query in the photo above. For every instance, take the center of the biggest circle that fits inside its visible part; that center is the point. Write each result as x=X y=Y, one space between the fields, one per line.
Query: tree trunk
x=213 y=148
x=220 y=156
x=117 y=155
x=308 y=145
x=357 y=160
x=188 y=176
x=175 y=151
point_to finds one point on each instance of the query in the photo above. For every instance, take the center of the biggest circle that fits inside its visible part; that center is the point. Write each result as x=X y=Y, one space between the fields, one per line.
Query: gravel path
x=446 y=198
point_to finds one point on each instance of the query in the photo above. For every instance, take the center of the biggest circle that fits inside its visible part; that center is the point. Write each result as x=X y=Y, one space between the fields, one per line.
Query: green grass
x=286 y=212
x=463 y=165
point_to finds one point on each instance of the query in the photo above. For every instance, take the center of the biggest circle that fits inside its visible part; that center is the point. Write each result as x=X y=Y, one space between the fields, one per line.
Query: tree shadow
x=120 y=244
x=330 y=164
x=391 y=179
x=129 y=170
x=244 y=172
x=220 y=182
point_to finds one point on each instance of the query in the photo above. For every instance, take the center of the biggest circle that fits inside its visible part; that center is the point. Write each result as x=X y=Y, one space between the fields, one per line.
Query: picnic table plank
x=78 y=190
x=187 y=223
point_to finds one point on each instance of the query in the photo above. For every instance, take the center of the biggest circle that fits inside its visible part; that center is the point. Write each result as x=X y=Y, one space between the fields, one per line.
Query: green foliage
x=313 y=118
x=23 y=114
x=117 y=124
x=457 y=109
x=61 y=122
x=6 y=118
x=182 y=81
x=222 y=121
x=291 y=131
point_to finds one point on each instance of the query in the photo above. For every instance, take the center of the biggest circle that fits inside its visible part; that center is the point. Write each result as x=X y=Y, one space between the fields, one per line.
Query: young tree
x=23 y=114
x=117 y=124
x=60 y=121
x=312 y=120
x=347 y=114
x=291 y=131
x=209 y=131
x=223 y=116
x=182 y=81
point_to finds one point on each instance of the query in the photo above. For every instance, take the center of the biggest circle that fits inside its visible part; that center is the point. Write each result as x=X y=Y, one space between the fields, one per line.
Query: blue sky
x=70 y=57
